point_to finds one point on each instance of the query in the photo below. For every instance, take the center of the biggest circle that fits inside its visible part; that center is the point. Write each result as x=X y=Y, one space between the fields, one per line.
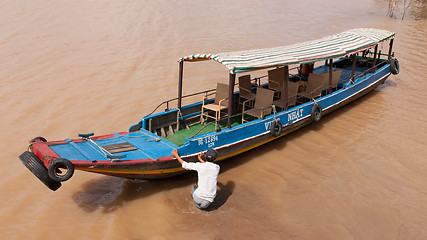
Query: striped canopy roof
x=337 y=45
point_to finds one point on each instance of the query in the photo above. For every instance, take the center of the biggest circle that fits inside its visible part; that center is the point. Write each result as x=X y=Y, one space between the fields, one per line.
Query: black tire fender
x=394 y=66
x=54 y=170
x=38 y=139
x=36 y=166
x=276 y=128
x=316 y=112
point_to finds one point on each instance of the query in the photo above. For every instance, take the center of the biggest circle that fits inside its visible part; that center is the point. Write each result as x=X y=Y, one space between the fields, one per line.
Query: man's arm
x=176 y=155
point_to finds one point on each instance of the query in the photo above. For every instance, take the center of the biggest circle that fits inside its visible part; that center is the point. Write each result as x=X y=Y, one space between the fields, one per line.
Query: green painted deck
x=179 y=137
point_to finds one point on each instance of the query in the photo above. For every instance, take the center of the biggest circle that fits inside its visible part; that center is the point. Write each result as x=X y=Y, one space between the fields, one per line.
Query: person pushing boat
x=205 y=191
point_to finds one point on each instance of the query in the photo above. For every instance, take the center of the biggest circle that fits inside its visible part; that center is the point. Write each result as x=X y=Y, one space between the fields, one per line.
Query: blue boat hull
x=153 y=158
x=239 y=139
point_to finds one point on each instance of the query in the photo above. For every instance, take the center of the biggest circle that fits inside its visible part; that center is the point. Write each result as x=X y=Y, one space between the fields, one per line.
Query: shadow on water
x=224 y=192
x=110 y=193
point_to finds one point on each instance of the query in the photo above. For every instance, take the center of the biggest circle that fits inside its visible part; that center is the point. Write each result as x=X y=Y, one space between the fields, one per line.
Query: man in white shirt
x=205 y=191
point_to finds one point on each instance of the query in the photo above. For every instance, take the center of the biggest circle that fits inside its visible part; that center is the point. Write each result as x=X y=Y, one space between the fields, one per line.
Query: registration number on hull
x=209 y=140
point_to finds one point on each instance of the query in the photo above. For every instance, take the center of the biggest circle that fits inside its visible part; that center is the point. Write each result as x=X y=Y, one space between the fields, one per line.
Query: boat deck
x=146 y=146
x=179 y=137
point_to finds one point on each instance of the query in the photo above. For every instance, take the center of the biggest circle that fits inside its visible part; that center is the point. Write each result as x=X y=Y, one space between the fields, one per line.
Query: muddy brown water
x=69 y=67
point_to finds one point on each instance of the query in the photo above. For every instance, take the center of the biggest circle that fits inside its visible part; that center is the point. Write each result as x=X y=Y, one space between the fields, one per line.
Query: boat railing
x=344 y=82
x=209 y=92
x=203 y=128
x=256 y=80
x=370 y=70
x=167 y=102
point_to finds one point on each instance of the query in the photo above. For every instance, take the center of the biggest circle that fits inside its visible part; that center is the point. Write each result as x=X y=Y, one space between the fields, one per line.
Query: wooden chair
x=335 y=80
x=245 y=89
x=316 y=83
x=276 y=78
x=263 y=102
x=220 y=104
x=292 y=96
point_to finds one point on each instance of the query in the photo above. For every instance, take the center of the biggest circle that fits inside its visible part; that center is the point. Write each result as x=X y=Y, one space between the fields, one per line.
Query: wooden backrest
x=317 y=81
x=221 y=92
x=336 y=78
x=292 y=93
x=264 y=99
x=276 y=78
x=245 y=86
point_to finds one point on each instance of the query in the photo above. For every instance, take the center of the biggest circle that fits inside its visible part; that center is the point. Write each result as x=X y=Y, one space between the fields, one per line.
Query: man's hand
x=200 y=157
x=176 y=155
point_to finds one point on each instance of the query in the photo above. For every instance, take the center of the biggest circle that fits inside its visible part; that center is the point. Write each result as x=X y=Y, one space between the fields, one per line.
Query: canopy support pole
x=231 y=80
x=353 y=68
x=375 y=55
x=285 y=88
x=181 y=72
x=330 y=76
x=390 y=50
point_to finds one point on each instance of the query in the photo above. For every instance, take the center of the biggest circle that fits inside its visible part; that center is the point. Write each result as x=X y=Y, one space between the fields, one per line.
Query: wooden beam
x=231 y=80
x=285 y=97
x=375 y=55
x=181 y=73
x=353 y=69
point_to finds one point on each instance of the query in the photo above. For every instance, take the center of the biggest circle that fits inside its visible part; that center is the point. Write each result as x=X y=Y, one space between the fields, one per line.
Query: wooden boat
x=295 y=85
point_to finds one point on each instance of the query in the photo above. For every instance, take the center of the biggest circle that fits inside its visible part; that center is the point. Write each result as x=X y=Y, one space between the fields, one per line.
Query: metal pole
x=285 y=88
x=181 y=72
x=390 y=50
x=375 y=55
x=353 y=69
x=231 y=80
x=330 y=76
